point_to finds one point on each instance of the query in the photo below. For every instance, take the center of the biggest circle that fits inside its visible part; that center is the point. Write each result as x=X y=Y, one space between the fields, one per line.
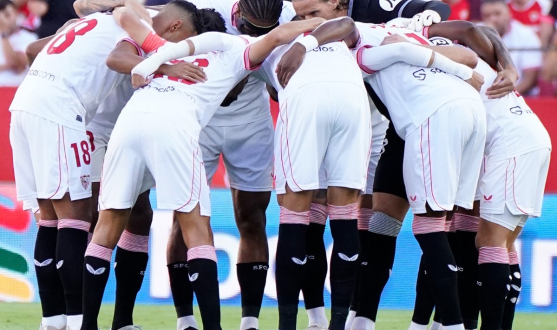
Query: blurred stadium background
x=537 y=249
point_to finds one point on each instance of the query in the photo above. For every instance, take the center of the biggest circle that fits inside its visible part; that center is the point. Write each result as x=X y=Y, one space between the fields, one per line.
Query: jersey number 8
x=65 y=40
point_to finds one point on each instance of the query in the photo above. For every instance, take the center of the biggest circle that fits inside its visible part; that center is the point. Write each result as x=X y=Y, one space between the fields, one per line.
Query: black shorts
x=388 y=175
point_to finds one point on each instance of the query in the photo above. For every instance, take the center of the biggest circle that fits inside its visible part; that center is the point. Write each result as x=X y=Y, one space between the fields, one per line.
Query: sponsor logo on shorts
x=79 y=119
x=85 y=181
x=488 y=198
x=42 y=74
x=413 y=198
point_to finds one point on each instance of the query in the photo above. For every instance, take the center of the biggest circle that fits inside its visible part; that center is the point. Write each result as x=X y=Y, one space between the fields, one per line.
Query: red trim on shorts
x=59 y=165
x=514 y=196
x=430 y=175
x=359 y=55
x=288 y=149
x=152 y=43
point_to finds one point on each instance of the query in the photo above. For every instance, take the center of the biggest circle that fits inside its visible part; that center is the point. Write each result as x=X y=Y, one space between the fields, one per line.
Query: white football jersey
x=185 y=102
x=513 y=129
x=331 y=62
x=253 y=103
x=69 y=79
x=411 y=93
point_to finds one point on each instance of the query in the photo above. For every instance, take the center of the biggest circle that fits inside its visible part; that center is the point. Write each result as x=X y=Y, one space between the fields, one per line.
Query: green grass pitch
x=15 y=316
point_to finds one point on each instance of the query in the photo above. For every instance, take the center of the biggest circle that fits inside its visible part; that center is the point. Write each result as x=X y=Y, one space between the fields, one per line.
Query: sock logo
x=364 y=263
x=508 y=287
x=193 y=277
x=181 y=265
x=299 y=262
x=115 y=265
x=59 y=264
x=142 y=273
x=513 y=300
x=94 y=271
x=44 y=263
x=516 y=287
x=311 y=257
x=516 y=274
x=347 y=258
x=479 y=283
x=460 y=269
x=260 y=267
x=453 y=268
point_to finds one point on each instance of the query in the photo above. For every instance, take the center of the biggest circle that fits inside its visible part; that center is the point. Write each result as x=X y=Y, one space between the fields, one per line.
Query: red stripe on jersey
x=359 y=55
x=152 y=43
x=247 y=62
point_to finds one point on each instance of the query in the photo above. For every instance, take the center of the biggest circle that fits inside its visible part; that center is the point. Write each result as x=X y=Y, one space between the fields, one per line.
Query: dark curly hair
x=268 y=10
x=212 y=20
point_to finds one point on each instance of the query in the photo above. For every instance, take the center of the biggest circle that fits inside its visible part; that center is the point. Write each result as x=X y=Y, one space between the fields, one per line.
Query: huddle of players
x=437 y=169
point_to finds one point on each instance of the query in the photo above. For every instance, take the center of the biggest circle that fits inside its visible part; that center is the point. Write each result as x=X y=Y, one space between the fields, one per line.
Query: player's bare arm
x=507 y=77
x=469 y=35
x=336 y=29
x=458 y=54
x=125 y=57
x=87 y=7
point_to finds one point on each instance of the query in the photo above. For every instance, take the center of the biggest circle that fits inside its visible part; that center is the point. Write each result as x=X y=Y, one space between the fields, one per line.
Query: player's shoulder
x=288 y=12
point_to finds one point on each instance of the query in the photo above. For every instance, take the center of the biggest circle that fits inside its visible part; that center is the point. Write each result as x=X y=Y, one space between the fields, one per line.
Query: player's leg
x=248 y=157
x=365 y=203
x=124 y=179
x=516 y=280
x=301 y=139
x=389 y=208
x=351 y=141
x=131 y=260
x=316 y=267
x=211 y=140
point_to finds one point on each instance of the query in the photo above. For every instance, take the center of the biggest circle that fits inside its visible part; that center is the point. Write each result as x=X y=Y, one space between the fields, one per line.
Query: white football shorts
x=247 y=152
x=443 y=157
x=98 y=147
x=145 y=149
x=49 y=159
x=331 y=130
x=516 y=184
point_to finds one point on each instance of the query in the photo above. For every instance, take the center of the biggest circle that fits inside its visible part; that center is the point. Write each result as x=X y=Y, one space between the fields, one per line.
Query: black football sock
x=316 y=267
x=51 y=291
x=364 y=216
x=423 y=307
x=514 y=292
x=494 y=283
x=252 y=277
x=70 y=251
x=344 y=261
x=290 y=264
x=440 y=265
x=383 y=232
x=95 y=275
x=129 y=267
x=203 y=275
x=182 y=291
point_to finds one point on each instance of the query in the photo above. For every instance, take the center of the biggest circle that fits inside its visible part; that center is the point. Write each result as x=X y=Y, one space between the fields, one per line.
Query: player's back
x=411 y=93
x=69 y=78
x=187 y=102
x=331 y=62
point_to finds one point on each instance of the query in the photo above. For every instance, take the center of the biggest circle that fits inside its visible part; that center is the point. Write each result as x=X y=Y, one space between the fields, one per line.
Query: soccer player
x=176 y=168
x=243 y=134
x=52 y=155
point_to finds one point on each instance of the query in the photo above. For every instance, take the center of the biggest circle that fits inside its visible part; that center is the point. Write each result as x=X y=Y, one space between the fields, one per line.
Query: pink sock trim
x=448 y=225
x=98 y=251
x=513 y=258
x=288 y=217
x=74 y=224
x=428 y=225
x=89 y=238
x=465 y=222
x=452 y=226
x=202 y=252
x=364 y=216
x=346 y=212
x=134 y=243
x=493 y=255
x=318 y=214
x=48 y=223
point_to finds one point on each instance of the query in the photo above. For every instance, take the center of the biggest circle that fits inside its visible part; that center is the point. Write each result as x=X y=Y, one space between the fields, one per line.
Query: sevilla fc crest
x=85 y=181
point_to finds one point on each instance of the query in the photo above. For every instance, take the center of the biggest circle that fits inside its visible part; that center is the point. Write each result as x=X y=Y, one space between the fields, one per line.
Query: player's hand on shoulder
x=138 y=81
x=393 y=39
x=476 y=81
x=424 y=19
x=503 y=84
x=139 y=10
x=290 y=63
x=184 y=70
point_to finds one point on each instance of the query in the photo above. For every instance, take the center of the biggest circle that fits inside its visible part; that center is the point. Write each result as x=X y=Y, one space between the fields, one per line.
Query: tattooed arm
x=86 y=7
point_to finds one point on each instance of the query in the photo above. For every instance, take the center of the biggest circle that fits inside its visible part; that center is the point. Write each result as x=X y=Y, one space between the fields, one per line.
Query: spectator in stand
x=460 y=10
x=534 y=15
x=53 y=13
x=27 y=20
x=523 y=43
x=13 y=63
